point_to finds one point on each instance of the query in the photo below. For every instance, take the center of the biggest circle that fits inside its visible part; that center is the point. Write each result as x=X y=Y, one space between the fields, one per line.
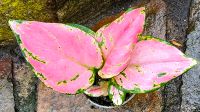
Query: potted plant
x=109 y=65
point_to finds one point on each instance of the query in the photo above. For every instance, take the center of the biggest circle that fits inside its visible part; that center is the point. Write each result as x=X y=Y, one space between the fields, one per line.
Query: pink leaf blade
x=116 y=95
x=117 y=40
x=153 y=63
x=98 y=90
x=63 y=54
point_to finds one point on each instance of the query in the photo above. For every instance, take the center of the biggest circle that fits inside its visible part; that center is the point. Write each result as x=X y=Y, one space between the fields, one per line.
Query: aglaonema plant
x=68 y=57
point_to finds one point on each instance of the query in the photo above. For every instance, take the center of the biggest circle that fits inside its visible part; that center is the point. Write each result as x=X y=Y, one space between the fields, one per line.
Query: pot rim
x=109 y=107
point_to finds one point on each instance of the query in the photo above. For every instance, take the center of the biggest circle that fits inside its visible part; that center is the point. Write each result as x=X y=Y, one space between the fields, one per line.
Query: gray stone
x=177 y=12
x=191 y=80
x=24 y=82
x=156 y=19
x=6 y=87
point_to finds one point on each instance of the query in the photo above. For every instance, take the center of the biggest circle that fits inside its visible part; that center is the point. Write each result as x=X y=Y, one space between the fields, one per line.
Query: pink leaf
x=62 y=55
x=96 y=91
x=153 y=63
x=117 y=40
x=117 y=96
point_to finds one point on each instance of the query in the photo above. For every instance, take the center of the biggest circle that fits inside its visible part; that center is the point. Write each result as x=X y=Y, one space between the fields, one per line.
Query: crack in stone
x=14 y=86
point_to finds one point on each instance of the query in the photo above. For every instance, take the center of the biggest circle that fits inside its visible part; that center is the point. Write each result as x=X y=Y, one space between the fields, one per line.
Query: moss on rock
x=24 y=10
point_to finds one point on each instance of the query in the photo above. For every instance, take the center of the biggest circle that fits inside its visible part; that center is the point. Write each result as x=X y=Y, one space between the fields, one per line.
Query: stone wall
x=174 y=20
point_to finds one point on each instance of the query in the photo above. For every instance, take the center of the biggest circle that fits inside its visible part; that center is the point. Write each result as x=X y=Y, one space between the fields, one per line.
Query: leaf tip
x=10 y=21
x=142 y=10
x=14 y=24
x=194 y=62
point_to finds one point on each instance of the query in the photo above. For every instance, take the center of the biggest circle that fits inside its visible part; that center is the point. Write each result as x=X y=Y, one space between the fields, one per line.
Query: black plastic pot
x=105 y=102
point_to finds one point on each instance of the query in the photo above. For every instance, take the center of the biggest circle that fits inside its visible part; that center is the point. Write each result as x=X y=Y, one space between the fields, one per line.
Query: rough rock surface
x=51 y=101
x=155 y=19
x=191 y=81
x=89 y=12
x=177 y=12
x=24 y=82
x=6 y=88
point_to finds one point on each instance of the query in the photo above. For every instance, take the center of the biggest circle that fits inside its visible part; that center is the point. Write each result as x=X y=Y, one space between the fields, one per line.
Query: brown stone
x=6 y=87
x=5 y=68
x=51 y=101
x=89 y=12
